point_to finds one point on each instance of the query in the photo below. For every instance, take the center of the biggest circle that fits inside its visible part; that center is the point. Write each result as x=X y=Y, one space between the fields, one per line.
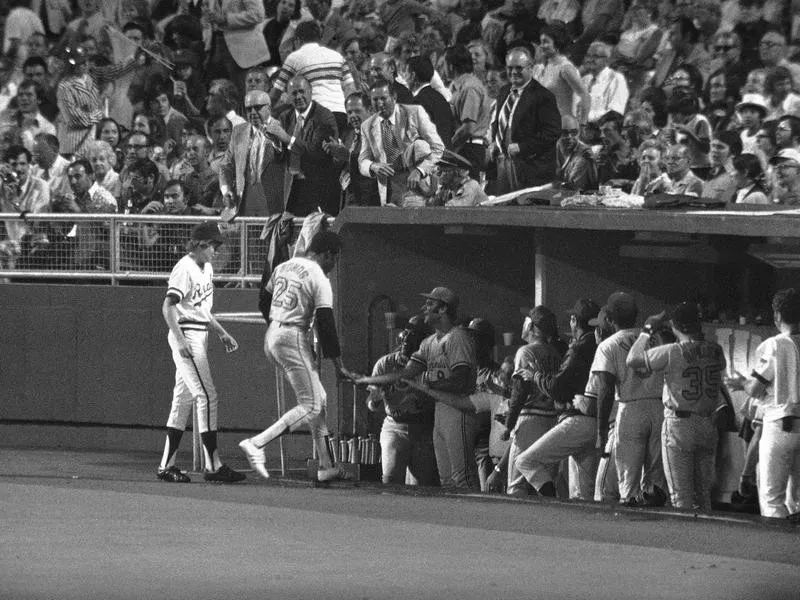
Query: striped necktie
x=504 y=120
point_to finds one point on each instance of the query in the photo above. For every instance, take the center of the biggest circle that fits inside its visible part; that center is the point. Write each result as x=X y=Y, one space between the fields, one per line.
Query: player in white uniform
x=187 y=311
x=776 y=381
x=297 y=295
x=693 y=369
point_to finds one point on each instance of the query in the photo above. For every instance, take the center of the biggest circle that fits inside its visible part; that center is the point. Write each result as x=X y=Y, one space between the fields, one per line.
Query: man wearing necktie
x=525 y=129
x=387 y=135
x=312 y=179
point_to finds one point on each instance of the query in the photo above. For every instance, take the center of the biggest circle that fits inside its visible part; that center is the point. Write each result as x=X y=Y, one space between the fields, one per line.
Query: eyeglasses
x=137 y=146
x=783 y=128
x=569 y=132
x=515 y=69
x=769 y=44
x=256 y=107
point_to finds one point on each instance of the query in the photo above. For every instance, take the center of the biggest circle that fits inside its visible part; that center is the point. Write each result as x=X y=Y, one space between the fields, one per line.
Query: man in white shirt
x=50 y=166
x=607 y=87
x=21 y=193
x=26 y=122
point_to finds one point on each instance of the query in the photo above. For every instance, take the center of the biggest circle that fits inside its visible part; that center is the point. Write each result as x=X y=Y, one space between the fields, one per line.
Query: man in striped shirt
x=325 y=69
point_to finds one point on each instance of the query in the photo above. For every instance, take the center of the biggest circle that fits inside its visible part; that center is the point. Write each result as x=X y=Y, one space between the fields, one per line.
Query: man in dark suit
x=419 y=75
x=358 y=190
x=526 y=127
x=312 y=179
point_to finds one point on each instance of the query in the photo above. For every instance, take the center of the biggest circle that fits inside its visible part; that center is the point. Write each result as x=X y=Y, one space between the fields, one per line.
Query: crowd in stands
x=264 y=107
x=633 y=410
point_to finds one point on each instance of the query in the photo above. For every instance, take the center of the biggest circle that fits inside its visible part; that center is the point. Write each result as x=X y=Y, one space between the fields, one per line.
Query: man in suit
x=419 y=75
x=386 y=137
x=384 y=66
x=526 y=127
x=312 y=179
x=358 y=190
x=238 y=41
x=251 y=176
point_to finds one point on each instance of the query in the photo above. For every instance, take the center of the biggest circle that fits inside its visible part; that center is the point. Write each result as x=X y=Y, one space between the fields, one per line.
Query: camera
x=9 y=176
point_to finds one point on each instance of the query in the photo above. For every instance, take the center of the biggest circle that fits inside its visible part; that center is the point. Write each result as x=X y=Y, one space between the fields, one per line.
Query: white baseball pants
x=779 y=470
x=290 y=347
x=193 y=384
x=407 y=454
x=688 y=448
x=606 y=484
x=638 y=451
x=529 y=429
x=454 y=433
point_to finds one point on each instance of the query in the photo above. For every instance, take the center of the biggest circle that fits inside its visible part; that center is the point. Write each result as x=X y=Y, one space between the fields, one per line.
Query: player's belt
x=477 y=140
x=685 y=414
x=298 y=325
x=621 y=401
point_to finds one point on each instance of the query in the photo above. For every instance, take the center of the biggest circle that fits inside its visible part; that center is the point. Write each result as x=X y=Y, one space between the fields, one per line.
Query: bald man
x=251 y=176
x=575 y=165
x=312 y=176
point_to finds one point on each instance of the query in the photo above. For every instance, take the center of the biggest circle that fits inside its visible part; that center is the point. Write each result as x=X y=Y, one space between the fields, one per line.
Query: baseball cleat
x=224 y=475
x=173 y=475
x=255 y=457
x=333 y=473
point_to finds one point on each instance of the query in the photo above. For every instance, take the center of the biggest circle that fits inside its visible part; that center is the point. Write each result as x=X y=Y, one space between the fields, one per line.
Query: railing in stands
x=119 y=247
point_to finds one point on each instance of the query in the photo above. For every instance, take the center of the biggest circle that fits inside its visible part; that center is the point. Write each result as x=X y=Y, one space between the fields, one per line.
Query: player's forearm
x=457 y=401
x=460 y=382
x=606 y=384
x=217 y=327
x=637 y=357
x=170 y=313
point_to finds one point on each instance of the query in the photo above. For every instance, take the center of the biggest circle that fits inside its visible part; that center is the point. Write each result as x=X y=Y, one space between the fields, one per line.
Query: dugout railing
x=115 y=248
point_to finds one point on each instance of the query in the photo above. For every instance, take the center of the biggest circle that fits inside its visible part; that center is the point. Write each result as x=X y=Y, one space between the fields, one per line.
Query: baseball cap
x=584 y=309
x=621 y=306
x=453 y=160
x=443 y=294
x=787 y=155
x=601 y=319
x=184 y=58
x=686 y=317
x=483 y=328
x=325 y=241
x=208 y=231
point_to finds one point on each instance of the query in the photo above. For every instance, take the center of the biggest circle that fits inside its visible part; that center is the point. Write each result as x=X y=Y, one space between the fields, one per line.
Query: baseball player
x=776 y=380
x=407 y=430
x=296 y=297
x=639 y=409
x=692 y=397
x=187 y=311
x=447 y=359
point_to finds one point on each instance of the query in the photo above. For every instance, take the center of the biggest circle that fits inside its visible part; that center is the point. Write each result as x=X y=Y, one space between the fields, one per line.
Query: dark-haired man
x=419 y=74
x=20 y=192
x=25 y=122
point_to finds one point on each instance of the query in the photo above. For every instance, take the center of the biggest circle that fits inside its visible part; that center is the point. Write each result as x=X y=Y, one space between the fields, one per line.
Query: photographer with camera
x=20 y=193
x=161 y=245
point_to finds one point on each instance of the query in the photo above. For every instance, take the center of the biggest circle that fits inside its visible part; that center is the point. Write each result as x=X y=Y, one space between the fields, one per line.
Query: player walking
x=693 y=369
x=297 y=295
x=187 y=311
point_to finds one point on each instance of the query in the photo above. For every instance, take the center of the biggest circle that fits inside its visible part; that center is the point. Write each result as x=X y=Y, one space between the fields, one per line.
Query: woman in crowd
x=688 y=126
x=685 y=75
x=652 y=178
x=78 y=102
x=719 y=105
x=653 y=101
x=102 y=158
x=633 y=54
x=481 y=58
x=110 y=132
x=781 y=99
x=750 y=184
x=151 y=125
x=557 y=73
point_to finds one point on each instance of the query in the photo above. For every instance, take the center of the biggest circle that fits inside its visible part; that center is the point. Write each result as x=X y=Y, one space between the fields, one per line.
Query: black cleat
x=548 y=490
x=173 y=475
x=224 y=475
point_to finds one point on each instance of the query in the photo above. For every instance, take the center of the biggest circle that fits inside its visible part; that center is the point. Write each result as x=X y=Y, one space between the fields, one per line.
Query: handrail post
x=243 y=253
x=114 y=250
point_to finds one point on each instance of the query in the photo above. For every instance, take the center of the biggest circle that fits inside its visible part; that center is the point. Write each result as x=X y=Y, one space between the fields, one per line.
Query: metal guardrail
x=121 y=247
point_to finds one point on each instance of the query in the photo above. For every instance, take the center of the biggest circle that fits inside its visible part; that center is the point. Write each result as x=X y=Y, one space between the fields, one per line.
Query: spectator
x=683 y=180
x=91 y=23
x=787 y=133
x=78 y=102
x=559 y=75
x=690 y=127
x=719 y=105
x=140 y=146
x=35 y=69
x=200 y=183
x=633 y=54
x=54 y=15
x=722 y=185
x=174 y=121
x=471 y=108
x=420 y=73
x=652 y=178
x=615 y=160
x=751 y=110
x=313 y=176
x=21 y=193
x=384 y=67
x=386 y=139
x=727 y=53
x=750 y=27
x=754 y=84
x=749 y=180
x=686 y=47
x=151 y=125
x=101 y=157
x=637 y=126
x=607 y=88
x=251 y=175
x=160 y=245
x=787 y=169
x=26 y=122
x=358 y=190
x=223 y=101
x=766 y=142
x=276 y=28
x=481 y=58
x=781 y=100
x=575 y=166
x=219 y=132
x=398 y=16
x=653 y=101
x=525 y=128
x=334 y=27
x=188 y=87
x=531 y=412
x=407 y=429
x=50 y=166
x=141 y=185
x=456 y=186
x=20 y=23
x=257 y=78
x=110 y=132
x=574 y=435
x=238 y=42
x=773 y=52
x=691 y=412
x=496 y=78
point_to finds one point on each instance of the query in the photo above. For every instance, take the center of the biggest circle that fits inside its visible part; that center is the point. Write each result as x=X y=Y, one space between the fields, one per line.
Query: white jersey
x=195 y=290
x=779 y=367
x=631 y=385
x=298 y=287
